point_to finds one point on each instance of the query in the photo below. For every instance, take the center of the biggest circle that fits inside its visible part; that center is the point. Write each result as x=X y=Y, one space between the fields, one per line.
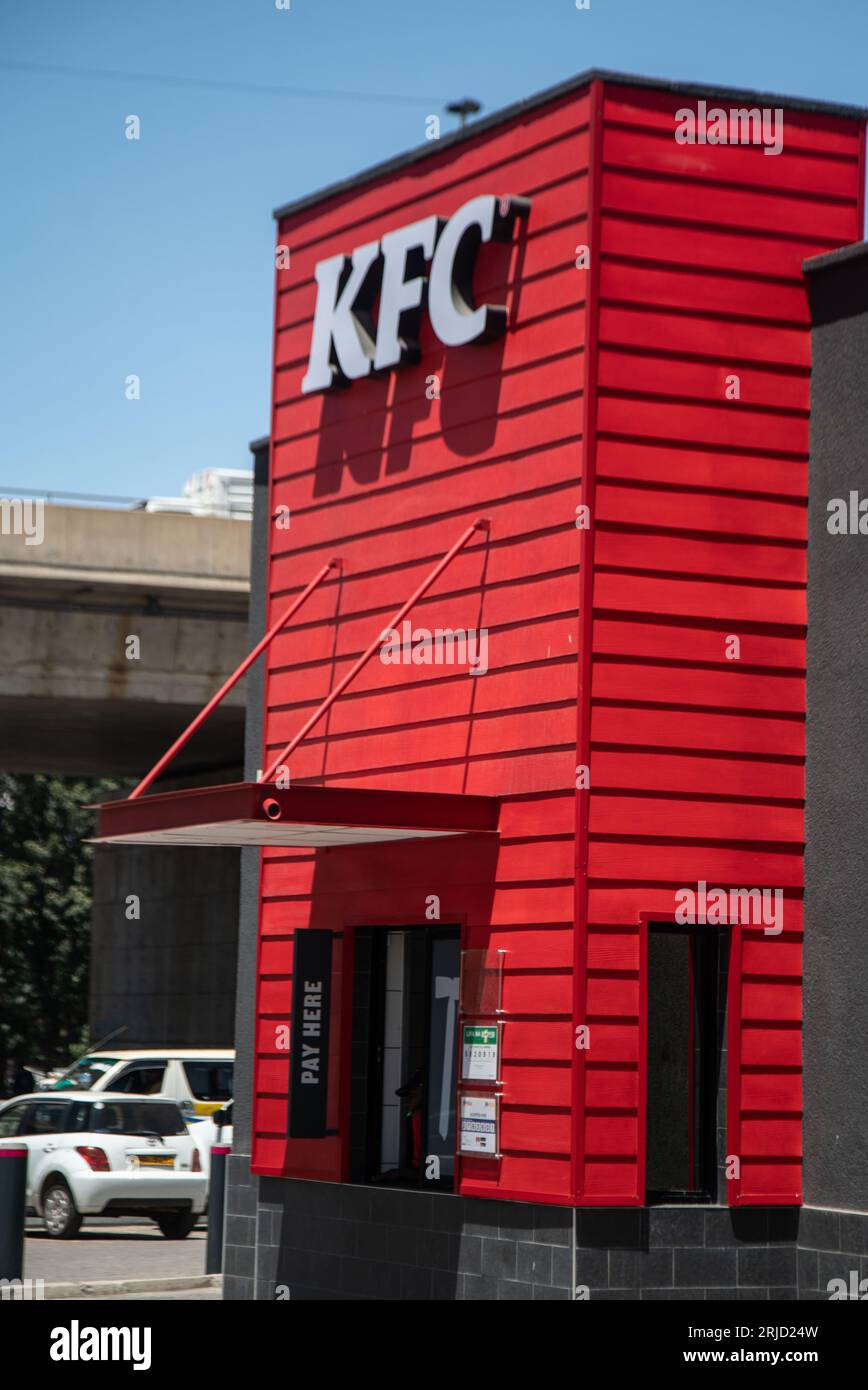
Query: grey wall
x=175 y=975
x=248 y=912
x=242 y=1187
x=170 y=976
x=836 y=868
x=325 y=1241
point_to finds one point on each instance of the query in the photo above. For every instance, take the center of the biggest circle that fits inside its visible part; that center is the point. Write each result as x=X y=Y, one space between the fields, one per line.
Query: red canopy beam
x=481 y=524
x=233 y=680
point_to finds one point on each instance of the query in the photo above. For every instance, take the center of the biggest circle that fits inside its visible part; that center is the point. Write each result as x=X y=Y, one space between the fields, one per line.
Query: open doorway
x=684 y=1062
x=405 y=1037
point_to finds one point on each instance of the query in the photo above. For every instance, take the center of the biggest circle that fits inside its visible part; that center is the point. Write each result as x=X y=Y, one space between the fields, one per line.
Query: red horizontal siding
x=698 y=536
x=388 y=479
x=697 y=759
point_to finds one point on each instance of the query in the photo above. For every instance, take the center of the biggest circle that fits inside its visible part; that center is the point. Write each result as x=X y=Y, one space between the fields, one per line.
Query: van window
x=210 y=1080
x=141 y=1080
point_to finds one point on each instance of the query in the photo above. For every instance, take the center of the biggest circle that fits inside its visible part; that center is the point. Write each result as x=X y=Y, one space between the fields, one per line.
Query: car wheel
x=175 y=1225
x=59 y=1216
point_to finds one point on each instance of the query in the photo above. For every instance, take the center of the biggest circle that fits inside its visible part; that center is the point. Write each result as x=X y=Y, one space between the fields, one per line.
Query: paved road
x=108 y=1250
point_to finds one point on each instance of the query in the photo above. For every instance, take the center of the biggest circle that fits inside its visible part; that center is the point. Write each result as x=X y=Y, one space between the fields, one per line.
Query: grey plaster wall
x=176 y=975
x=168 y=977
x=240 y=1247
x=248 y=909
x=836 y=920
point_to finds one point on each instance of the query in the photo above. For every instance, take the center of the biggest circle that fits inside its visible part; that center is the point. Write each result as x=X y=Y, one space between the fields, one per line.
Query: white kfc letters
x=346 y=344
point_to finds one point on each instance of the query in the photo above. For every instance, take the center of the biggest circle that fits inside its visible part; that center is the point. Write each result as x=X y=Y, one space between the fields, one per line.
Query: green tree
x=45 y=908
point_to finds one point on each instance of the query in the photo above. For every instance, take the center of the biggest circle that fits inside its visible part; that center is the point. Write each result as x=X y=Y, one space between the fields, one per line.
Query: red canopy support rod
x=481 y=524
x=233 y=680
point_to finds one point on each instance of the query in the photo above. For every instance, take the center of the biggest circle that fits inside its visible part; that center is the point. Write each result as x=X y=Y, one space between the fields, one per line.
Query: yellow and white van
x=200 y=1079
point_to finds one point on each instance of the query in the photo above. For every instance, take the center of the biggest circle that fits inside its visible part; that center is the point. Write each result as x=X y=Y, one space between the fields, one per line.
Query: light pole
x=462 y=109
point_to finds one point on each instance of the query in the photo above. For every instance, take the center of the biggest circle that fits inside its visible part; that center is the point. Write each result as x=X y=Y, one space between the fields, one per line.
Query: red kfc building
x=528 y=907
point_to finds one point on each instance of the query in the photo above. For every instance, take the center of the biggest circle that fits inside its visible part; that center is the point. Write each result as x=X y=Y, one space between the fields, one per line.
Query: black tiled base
x=311 y=1240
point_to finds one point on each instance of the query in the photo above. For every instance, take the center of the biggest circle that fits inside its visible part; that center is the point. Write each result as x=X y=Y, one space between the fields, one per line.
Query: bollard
x=13 y=1209
x=216 y=1205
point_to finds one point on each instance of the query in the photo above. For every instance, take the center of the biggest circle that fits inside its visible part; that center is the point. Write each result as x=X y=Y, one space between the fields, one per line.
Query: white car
x=108 y=1154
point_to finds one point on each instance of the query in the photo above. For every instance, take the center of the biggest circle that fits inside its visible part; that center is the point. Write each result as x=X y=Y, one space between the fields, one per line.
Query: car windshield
x=136 y=1117
x=85 y=1073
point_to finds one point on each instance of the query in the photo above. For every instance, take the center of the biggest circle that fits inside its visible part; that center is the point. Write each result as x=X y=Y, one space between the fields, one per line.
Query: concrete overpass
x=72 y=701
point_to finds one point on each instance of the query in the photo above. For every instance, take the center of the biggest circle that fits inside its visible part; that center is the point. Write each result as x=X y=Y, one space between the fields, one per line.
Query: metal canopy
x=258 y=813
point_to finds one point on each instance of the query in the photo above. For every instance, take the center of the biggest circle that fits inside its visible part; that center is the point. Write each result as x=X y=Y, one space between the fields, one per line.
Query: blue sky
x=155 y=257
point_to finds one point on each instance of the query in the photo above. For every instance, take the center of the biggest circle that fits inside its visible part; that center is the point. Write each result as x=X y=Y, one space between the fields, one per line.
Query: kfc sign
x=347 y=344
